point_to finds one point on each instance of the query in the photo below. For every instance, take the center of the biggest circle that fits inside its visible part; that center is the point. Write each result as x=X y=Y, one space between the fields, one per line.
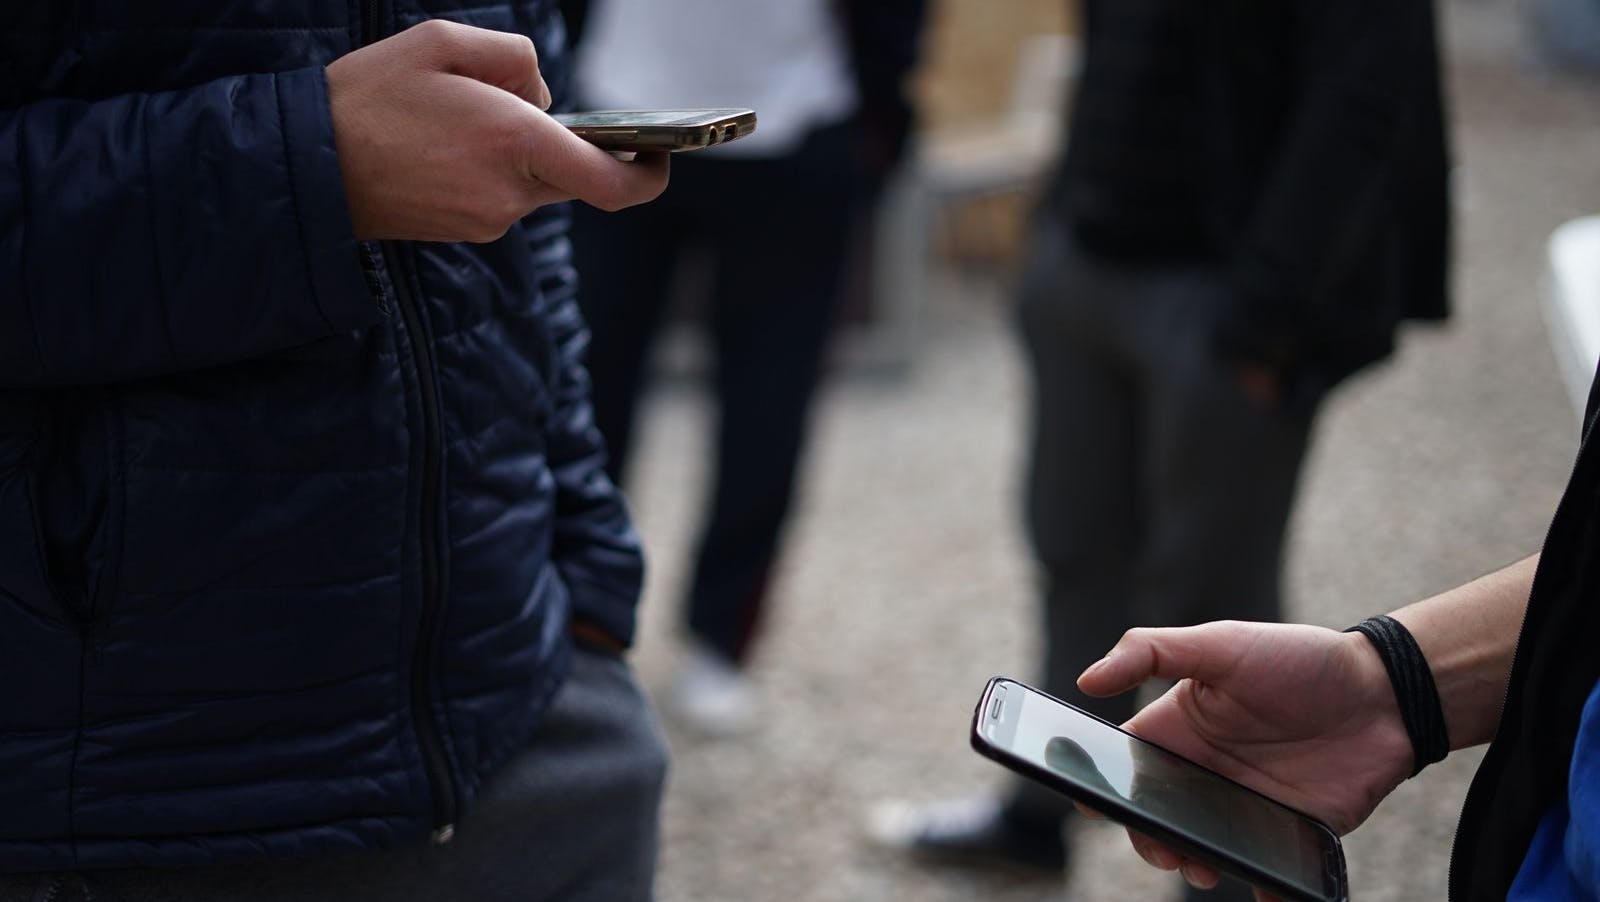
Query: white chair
x=1013 y=150
x=1572 y=302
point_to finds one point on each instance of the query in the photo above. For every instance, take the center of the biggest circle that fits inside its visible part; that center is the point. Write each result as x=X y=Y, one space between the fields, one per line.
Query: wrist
x=1371 y=676
x=1376 y=699
x=1415 y=694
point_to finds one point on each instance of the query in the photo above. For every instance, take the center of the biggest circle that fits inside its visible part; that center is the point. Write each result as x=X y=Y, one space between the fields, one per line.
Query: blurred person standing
x=1253 y=196
x=775 y=211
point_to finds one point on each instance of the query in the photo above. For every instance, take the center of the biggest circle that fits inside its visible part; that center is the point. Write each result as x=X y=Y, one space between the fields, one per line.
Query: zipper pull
x=443 y=835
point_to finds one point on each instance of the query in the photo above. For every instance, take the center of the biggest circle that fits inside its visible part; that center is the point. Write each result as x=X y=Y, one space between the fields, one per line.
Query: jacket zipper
x=113 y=525
x=441 y=786
x=371 y=21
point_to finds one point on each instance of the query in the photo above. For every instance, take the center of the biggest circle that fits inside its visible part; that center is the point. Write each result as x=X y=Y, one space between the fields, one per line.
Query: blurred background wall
x=971 y=51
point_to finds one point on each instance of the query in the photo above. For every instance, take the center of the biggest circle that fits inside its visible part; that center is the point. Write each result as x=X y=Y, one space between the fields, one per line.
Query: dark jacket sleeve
x=576 y=14
x=153 y=233
x=885 y=40
x=596 y=549
x=1336 y=157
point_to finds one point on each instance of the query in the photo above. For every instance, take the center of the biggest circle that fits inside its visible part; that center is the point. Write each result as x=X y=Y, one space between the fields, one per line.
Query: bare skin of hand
x=442 y=136
x=1302 y=714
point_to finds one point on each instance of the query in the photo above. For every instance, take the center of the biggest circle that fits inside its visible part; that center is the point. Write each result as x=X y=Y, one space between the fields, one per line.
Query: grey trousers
x=574 y=817
x=1158 y=491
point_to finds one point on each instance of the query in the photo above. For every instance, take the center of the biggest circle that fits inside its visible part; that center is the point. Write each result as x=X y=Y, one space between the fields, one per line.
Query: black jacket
x=1323 y=172
x=1555 y=669
x=292 y=528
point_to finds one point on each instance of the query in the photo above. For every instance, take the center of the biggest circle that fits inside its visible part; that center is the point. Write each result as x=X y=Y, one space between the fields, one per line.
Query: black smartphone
x=1193 y=809
x=659 y=130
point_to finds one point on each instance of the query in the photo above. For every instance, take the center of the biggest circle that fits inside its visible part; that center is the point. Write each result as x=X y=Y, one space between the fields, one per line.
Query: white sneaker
x=972 y=832
x=711 y=695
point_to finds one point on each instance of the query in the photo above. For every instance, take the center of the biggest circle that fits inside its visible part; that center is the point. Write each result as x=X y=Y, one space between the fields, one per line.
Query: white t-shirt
x=785 y=59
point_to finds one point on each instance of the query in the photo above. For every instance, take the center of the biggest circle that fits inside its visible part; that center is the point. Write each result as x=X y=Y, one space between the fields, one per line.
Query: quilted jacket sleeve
x=154 y=233
x=596 y=549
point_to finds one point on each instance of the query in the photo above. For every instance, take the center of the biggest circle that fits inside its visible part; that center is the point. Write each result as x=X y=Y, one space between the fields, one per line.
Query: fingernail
x=1193 y=877
x=1159 y=857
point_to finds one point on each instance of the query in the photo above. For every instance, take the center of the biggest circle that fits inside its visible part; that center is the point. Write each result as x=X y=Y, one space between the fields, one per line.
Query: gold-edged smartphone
x=647 y=131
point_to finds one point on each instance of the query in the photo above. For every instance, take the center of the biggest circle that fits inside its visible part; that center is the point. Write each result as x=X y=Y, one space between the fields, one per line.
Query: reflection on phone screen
x=1169 y=790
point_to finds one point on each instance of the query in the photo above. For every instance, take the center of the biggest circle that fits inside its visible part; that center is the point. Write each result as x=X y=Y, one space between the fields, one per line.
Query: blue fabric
x=214 y=432
x=1563 y=862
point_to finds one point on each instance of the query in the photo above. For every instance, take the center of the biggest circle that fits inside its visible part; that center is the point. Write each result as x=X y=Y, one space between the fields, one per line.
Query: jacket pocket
x=342 y=346
x=73 y=487
x=24 y=574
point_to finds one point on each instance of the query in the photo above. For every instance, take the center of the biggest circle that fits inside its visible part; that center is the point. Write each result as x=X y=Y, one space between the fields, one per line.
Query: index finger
x=1202 y=652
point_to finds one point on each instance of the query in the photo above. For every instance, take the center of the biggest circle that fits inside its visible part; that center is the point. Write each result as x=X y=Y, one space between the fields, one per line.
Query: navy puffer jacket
x=291 y=528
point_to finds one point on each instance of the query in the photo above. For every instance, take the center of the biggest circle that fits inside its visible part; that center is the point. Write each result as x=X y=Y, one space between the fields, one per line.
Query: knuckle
x=526 y=48
x=511 y=211
x=486 y=230
x=493 y=218
x=437 y=36
x=480 y=221
x=434 y=29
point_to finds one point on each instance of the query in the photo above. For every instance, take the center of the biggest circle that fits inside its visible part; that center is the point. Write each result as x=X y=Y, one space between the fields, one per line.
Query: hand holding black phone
x=1161 y=794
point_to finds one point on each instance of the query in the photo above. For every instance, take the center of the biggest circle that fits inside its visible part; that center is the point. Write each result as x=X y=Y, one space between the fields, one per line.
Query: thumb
x=507 y=61
x=1202 y=652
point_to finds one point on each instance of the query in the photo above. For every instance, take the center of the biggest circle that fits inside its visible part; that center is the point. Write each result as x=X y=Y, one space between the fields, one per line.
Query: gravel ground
x=907 y=582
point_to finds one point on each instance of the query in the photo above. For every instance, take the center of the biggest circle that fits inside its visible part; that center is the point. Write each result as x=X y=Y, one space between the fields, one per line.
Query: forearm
x=1469 y=635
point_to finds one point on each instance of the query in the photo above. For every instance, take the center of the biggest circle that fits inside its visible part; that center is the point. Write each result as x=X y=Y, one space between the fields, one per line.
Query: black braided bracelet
x=1414 y=688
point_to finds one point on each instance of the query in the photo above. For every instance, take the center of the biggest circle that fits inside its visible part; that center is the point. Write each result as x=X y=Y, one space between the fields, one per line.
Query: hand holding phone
x=1196 y=811
x=672 y=131
x=441 y=90
x=1304 y=714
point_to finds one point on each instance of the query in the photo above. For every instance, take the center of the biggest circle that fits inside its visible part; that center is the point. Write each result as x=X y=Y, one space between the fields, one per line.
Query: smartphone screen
x=1150 y=788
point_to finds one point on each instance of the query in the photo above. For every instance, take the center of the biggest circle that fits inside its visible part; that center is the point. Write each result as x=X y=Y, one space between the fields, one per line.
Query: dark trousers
x=776 y=232
x=572 y=818
x=1158 y=491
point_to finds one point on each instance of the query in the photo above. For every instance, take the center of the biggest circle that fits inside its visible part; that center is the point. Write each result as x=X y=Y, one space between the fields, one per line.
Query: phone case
x=647 y=137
